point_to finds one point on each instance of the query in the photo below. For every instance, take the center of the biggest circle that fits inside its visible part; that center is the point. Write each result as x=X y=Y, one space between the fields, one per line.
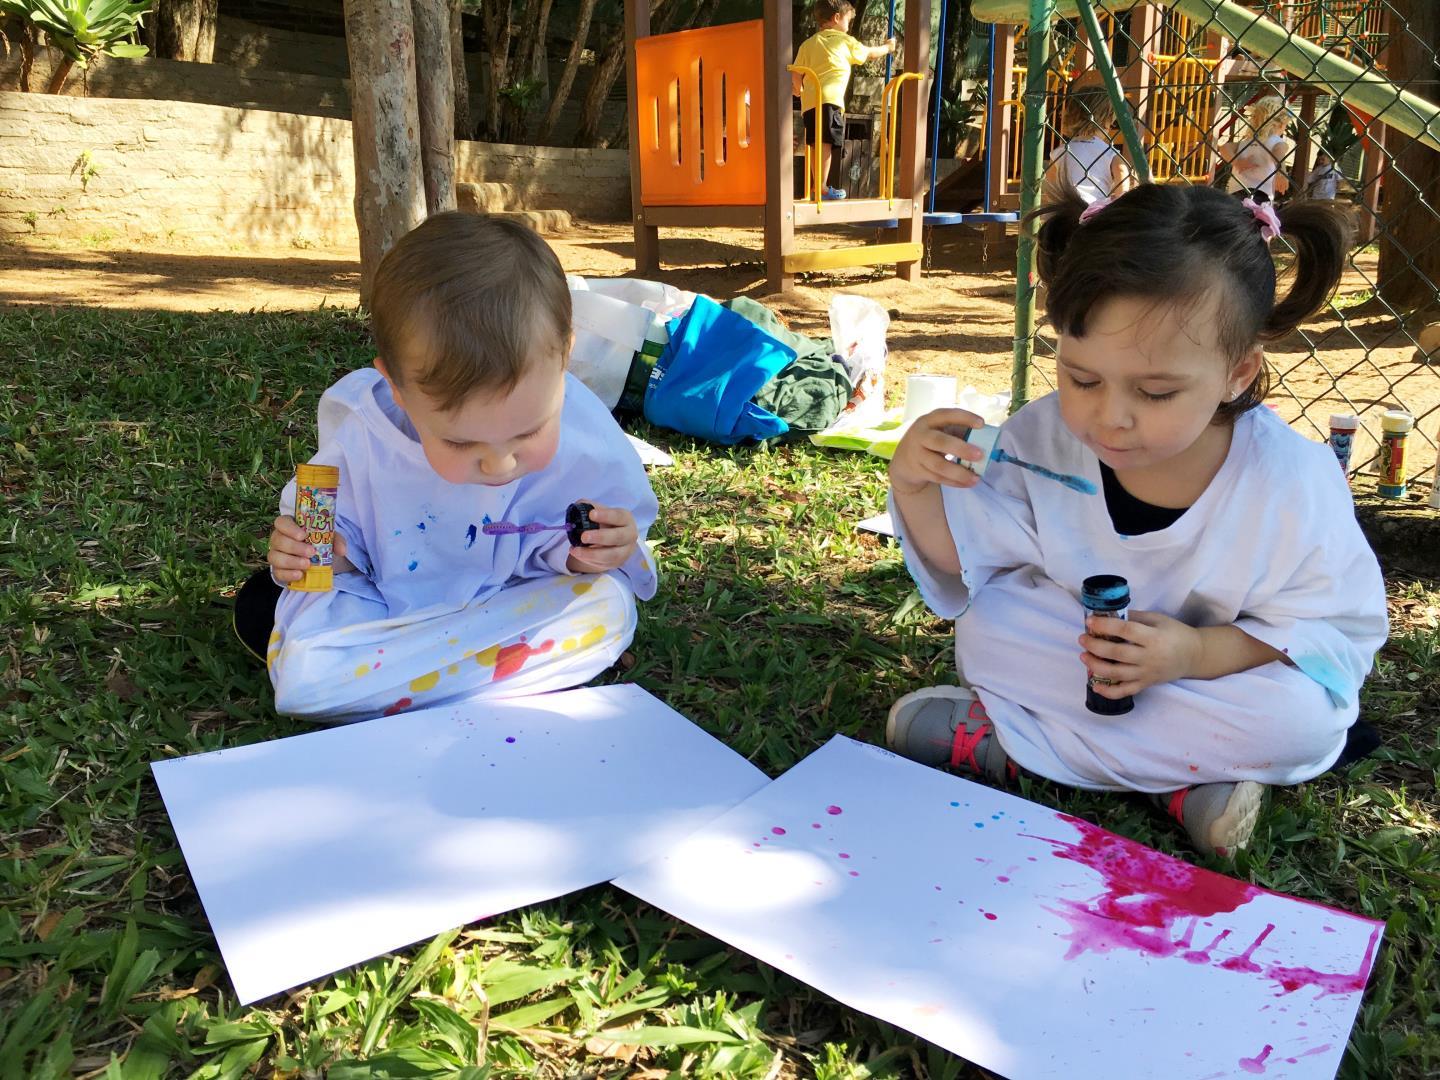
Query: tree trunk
x=389 y=186
x=495 y=15
x=57 y=80
x=1409 y=273
x=529 y=72
x=610 y=62
x=435 y=102
x=567 y=74
x=459 y=73
x=185 y=30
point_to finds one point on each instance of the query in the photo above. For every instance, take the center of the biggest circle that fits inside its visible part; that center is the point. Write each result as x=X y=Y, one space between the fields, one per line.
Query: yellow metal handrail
x=889 y=107
x=812 y=160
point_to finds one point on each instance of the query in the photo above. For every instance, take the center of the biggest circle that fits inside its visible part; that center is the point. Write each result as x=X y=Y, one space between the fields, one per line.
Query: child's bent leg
x=336 y=657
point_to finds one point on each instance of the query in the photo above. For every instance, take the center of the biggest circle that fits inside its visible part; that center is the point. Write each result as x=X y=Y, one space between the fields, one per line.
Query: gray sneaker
x=1219 y=818
x=947 y=726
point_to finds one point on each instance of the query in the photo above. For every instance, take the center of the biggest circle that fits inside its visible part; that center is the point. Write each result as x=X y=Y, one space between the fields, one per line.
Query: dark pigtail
x=1320 y=233
x=1055 y=224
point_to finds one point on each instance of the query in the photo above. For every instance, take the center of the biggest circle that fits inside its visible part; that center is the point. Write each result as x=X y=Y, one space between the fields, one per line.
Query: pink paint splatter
x=1257 y=1063
x=399 y=706
x=854 y=873
x=844 y=854
x=833 y=810
x=814 y=825
x=1243 y=961
x=778 y=831
x=1147 y=893
x=1308 y=1053
x=991 y=916
x=1002 y=878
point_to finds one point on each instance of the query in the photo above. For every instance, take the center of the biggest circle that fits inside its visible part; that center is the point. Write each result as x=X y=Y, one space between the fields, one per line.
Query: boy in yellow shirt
x=830 y=53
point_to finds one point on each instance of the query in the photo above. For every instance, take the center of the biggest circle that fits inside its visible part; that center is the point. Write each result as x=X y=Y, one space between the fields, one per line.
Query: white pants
x=335 y=656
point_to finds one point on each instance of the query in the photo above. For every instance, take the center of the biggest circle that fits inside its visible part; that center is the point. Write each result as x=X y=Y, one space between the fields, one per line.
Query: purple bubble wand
x=577 y=522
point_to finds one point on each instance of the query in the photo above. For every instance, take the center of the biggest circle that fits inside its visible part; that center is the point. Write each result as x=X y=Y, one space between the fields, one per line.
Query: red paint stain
x=399 y=706
x=511 y=658
x=1202 y=956
x=1257 y=1063
x=1328 y=982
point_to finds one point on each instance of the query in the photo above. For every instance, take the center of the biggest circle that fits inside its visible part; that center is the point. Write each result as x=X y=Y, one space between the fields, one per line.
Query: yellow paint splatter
x=487 y=657
x=274 y=636
x=593 y=637
x=582 y=587
x=363 y=669
x=568 y=645
x=424 y=682
x=453 y=669
x=453 y=641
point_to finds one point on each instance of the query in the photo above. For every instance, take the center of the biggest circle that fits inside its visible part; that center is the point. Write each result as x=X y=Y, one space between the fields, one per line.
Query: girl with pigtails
x=1256 y=604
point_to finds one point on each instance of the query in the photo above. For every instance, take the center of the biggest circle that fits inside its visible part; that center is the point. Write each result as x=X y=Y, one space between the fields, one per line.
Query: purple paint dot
x=509 y=738
x=854 y=873
x=755 y=844
x=778 y=831
x=938 y=889
x=814 y=825
x=991 y=916
x=844 y=854
x=1002 y=877
x=833 y=810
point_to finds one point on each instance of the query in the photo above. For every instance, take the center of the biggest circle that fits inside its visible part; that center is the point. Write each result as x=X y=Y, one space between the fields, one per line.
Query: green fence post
x=1037 y=41
x=1126 y=118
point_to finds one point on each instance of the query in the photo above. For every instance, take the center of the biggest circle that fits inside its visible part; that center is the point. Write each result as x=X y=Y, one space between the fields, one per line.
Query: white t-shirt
x=1089 y=166
x=1271 y=546
x=416 y=539
x=1257 y=164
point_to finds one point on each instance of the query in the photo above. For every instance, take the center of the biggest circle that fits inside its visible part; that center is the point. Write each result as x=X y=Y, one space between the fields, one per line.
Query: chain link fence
x=1219 y=97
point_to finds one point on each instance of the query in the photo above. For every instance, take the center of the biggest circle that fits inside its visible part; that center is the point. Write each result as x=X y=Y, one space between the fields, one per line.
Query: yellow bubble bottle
x=316 y=489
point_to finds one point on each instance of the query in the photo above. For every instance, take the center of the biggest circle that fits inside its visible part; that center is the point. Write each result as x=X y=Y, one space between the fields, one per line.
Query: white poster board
x=320 y=851
x=1029 y=942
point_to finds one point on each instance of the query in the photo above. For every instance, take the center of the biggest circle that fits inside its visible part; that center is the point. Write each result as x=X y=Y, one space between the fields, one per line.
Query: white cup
x=925 y=393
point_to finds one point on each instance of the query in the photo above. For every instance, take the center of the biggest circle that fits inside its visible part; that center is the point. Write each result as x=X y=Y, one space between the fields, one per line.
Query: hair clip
x=1093 y=209
x=1265 y=214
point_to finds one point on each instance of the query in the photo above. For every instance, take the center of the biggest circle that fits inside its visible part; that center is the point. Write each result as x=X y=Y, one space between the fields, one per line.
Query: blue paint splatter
x=397 y=532
x=954 y=804
x=421 y=526
x=1074 y=483
x=979 y=824
x=413 y=565
x=485 y=520
x=470 y=537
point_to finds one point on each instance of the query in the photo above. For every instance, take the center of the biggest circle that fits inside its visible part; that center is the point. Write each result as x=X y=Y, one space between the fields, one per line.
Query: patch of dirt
x=958 y=319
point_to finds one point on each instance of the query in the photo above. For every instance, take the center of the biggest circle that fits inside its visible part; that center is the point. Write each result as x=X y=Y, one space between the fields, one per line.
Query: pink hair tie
x=1093 y=209
x=1267 y=217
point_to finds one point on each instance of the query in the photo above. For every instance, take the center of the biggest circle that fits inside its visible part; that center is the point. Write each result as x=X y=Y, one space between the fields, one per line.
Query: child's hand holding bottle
x=289 y=553
x=931 y=452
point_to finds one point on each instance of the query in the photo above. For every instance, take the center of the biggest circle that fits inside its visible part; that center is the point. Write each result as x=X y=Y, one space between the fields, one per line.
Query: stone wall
x=105 y=169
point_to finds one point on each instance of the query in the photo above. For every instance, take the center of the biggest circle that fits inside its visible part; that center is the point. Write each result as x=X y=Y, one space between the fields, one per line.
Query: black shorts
x=834 y=121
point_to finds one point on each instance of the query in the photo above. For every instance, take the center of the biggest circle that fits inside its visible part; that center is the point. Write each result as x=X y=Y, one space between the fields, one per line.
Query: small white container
x=926 y=393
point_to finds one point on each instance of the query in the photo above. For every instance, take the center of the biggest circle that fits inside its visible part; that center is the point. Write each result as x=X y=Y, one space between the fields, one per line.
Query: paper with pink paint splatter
x=1029 y=942
x=323 y=850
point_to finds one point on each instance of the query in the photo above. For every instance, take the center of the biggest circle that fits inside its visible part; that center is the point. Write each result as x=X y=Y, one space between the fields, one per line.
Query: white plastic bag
x=613 y=320
x=858 y=326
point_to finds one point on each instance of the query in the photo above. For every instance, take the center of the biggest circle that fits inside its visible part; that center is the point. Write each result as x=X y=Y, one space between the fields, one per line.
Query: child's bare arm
x=884 y=49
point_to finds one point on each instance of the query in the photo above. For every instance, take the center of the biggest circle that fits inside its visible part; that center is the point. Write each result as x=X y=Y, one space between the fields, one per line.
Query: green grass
x=140 y=458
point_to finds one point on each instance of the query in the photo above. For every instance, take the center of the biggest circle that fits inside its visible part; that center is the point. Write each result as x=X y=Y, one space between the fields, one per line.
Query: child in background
x=1257 y=604
x=1324 y=179
x=468 y=417
x=1258 y=158
x=830 y=53
x=1087 y=161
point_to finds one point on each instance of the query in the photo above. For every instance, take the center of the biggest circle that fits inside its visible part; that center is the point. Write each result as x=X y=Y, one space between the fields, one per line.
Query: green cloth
x=810 y=393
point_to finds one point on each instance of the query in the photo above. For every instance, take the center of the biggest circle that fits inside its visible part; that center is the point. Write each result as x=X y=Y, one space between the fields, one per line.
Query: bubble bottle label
x=316 y=489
